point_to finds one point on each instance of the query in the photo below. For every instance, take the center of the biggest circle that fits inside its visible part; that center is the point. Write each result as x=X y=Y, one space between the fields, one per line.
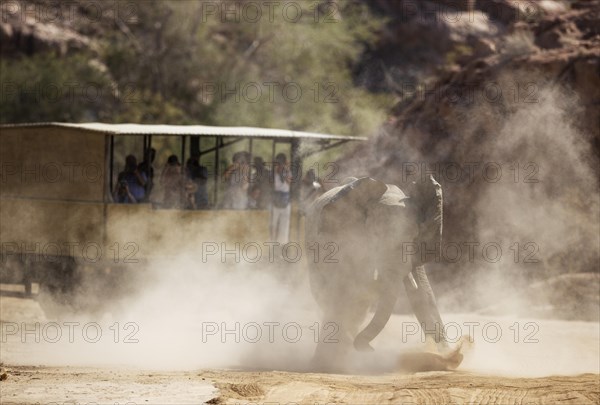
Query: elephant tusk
x=412 y=281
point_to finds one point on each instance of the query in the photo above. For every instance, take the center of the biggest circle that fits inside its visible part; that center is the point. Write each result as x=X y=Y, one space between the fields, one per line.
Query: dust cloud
x=549 y=213
x=518 y=174
x=185 y=314
x=543 y=212
x=539 y=202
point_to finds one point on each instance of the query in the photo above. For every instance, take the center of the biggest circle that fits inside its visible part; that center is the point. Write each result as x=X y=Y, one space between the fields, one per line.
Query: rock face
x=421 y=37
x=30 y=38
x=527 y=93
x=488 y=39
x=426 y=38
x=565 y=50
x=31 y=27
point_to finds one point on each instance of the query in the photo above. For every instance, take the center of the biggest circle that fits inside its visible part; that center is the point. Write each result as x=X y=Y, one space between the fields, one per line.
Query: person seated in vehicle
x=122 y=195
x=261 y=182
x=281 y=209
x=147 y=167
x=236 y=176
x=254 y=197
x=172 y=183
x=198 y=176
x=135 y=179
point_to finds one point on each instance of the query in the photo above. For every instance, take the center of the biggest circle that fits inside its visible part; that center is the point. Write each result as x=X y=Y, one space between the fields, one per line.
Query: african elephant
x=380 y=234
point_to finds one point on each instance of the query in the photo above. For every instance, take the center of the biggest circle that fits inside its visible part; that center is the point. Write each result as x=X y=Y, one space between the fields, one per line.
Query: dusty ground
x=38 y=373
x=31 y=385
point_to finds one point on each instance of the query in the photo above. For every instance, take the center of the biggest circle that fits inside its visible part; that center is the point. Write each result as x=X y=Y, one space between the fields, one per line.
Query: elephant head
x=385 y=229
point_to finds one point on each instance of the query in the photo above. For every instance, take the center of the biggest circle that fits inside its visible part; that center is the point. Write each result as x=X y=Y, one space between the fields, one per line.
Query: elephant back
x=342 y=207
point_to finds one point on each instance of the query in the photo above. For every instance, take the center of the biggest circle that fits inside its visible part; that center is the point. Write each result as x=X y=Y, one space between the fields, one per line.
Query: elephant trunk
x=382 y=315
x=423 y=303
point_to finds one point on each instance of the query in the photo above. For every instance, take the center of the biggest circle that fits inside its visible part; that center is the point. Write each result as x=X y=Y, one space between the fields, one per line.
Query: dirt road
x=43 y=385
x=560 y=365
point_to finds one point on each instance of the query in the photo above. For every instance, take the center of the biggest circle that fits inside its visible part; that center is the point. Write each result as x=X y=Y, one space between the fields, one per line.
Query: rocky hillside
x=505 y=114
x=189 y=62
x=444 y=45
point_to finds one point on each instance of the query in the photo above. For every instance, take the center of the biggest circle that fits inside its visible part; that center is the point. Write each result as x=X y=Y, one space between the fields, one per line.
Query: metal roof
x=178 y=130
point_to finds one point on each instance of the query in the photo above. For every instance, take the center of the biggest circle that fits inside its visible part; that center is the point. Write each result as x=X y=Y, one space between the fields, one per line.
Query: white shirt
x=281 y=185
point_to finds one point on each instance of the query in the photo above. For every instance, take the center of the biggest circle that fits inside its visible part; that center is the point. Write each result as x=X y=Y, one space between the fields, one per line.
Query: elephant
x=382 y=237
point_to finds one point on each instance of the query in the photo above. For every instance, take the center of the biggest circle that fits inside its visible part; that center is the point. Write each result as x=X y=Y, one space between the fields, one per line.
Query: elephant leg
x=338 y=327
x=385 y=306
x=422 y=301
x=389 y=287
x=332 y=348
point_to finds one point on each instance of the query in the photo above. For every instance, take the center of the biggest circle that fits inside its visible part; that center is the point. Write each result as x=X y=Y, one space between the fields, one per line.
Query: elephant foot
x=433 y=345
x=414 y=362
x=331 y=357
x=454 y=358
x=430 y=344
x=362 y=345
x=438 y=356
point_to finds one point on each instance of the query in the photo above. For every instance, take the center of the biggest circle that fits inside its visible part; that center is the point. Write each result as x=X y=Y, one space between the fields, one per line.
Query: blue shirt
x=135 y=188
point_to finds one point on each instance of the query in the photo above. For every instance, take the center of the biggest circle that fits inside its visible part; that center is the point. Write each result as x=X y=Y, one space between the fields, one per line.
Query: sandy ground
x=33 y=385
x=555 y=362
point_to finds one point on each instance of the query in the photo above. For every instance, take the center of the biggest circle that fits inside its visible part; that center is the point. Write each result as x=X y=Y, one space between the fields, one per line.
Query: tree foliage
x=215 y=63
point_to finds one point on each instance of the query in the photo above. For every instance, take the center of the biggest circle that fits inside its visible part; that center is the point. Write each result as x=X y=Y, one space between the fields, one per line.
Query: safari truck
x=58 y=219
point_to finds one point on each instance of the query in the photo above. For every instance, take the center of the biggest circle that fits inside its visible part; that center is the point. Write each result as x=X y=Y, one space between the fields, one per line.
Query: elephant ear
x=349 y=205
